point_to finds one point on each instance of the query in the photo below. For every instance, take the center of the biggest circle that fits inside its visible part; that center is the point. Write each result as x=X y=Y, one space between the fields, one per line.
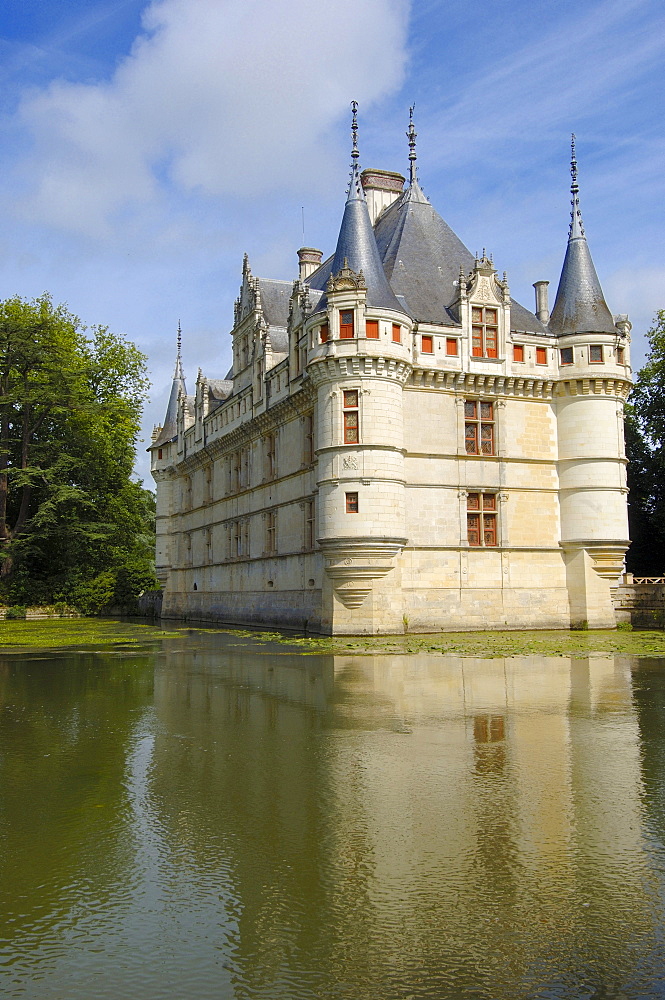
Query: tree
x=645 y=448
x=70 y=408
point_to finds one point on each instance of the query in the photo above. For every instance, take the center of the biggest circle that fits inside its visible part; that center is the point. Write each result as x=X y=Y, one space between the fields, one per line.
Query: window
x=308 y=438
x=237 y=539
x=187 y=493
x=208 y=544
x=208 y=484
x=271 y=532
x=346 y=324
x=541 y=355
x=397 y=333
x=309 y=524
x=481 y=519
x=451 y=347
x=302 y=364
x=595 y=353
x=478 y=427
x=160 y=453
x=372 y=329
x=484 y=332
x=518 y=352
x=351 y=503
x=566 y=355
x=237 y=466
x=350 y=416
x=271 y=456
x=620 y=361
x=427 y=344
x=324 y=332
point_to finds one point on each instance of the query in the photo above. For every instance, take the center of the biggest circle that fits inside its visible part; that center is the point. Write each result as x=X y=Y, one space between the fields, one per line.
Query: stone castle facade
x=399 y=445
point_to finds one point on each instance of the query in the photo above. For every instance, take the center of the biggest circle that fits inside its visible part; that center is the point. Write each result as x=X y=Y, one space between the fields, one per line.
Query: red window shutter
x=372 y=329
x=351 y=427
x=427 y=344
x=346 y=324
x=473 y=528
x=489 y=529
x=541 y=355
x=397 y=333
x=471 y=438
x=325 y=332
x=451 y=347
x=477 y=342
x=518 y=352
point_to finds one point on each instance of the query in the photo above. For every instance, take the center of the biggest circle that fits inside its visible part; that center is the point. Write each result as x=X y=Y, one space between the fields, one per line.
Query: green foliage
x=71 y=518
x=15 y=612
x=645 y=448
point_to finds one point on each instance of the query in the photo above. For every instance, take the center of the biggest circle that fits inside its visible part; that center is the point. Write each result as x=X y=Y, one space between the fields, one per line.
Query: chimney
x=542 y=307
x=308 y=260
x=382 y=188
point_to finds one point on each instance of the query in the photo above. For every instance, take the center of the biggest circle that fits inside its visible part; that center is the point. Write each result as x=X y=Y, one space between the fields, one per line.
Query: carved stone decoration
x=354 y=563
x=350 y=462
x=346 y=280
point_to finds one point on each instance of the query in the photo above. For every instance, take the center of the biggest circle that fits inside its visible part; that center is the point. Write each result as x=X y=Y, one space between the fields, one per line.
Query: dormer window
x=346 y=324
x=484 y=332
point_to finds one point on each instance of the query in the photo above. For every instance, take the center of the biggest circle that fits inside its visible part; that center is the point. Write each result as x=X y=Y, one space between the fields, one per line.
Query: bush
x=16 y=611
x=94 y=595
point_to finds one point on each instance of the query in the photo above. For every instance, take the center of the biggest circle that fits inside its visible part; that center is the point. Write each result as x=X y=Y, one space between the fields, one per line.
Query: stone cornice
x=330 y=369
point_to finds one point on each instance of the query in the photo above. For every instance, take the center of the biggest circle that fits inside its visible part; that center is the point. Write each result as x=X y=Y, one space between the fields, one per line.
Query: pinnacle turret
x=580 y=306
x=356 y=244
x=170 y=426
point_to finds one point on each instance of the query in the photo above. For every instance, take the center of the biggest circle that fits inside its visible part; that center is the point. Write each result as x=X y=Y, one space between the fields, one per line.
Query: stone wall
x=640 y=604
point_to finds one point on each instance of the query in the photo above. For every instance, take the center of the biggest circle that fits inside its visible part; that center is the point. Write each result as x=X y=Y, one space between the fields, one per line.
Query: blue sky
x=148 y=145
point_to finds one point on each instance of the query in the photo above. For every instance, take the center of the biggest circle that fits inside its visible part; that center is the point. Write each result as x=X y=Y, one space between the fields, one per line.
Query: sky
x=148 y=145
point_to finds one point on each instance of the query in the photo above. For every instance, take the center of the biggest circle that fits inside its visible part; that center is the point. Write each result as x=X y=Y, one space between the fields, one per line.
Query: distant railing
x=648 y=579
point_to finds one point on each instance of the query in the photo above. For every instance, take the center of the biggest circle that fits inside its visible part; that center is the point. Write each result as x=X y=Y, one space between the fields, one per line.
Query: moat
x=201 y=814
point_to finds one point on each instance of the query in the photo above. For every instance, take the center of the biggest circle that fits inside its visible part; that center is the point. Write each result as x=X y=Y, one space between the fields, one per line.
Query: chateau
x=400 y=446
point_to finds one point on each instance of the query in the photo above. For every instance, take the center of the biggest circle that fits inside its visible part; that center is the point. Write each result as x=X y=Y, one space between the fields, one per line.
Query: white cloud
x=216 y=97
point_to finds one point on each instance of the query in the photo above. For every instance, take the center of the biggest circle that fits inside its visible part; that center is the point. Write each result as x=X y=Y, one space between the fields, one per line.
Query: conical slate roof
x=170 y=426
x=580 y=305
x=356 y=247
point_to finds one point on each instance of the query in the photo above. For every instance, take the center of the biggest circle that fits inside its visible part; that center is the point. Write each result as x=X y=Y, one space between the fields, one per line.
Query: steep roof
x=275 y=297
x=169 y=429
x=580 y=305
x=422 y=257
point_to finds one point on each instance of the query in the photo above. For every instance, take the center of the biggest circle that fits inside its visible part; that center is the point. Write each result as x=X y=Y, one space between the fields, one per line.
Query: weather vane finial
x=354 y=130
x=576 y=225
x=411 y=136
x=179 y=342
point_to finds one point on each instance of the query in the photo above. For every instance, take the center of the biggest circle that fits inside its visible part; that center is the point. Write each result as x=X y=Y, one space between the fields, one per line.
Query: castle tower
x=593 y=384
x=359 y=361
x=162 y=459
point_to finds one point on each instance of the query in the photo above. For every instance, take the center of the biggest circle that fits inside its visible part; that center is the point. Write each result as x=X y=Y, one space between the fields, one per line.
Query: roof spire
x=579 y=306
x=178 y=374
x=576 y=225
x=354 y=132
x=411 y=136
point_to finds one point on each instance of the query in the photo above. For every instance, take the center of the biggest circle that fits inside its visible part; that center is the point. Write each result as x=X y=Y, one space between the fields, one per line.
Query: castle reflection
x=394 y=825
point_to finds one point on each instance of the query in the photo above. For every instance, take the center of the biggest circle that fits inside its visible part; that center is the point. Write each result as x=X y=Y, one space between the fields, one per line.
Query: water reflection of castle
x=385 y=817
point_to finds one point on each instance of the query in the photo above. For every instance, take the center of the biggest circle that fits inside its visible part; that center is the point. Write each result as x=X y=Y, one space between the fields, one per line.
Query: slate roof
x=580 y=305
x=275 y=296
x=356 y=246
x=169 y=429
x=422 y=258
